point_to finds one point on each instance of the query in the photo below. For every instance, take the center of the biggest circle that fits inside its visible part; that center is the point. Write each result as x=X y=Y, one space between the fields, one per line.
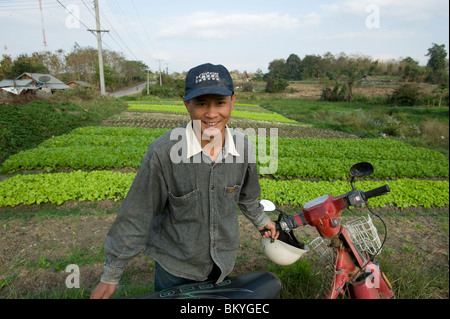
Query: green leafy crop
x=58 y=188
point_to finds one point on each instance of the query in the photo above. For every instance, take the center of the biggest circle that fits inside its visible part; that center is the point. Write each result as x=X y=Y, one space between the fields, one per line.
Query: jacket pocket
x=185 y=208
x=180 y=226
x=230 y=199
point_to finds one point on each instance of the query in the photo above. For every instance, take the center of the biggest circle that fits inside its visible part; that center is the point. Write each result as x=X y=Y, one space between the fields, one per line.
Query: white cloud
x=380 y=35
x=403 y=10
x=312 y=19
x=210 y=25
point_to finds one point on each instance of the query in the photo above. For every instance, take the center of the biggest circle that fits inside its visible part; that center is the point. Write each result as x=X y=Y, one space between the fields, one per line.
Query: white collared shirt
x=194 y=147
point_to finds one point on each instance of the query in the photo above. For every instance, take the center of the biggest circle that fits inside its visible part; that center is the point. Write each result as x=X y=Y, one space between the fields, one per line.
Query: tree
x=312 y=67
x=437 y=56
x=258 y=75
x=109 y=76
x=276 y=85
x=80 y=63
x=292 y=67
x=25 y=63
x=329 y=65
x=6 y=67
x=277 y=69
x=410 y=70
x=55 y=63
x=406 y=95
x=134 y=70
x=353 y=71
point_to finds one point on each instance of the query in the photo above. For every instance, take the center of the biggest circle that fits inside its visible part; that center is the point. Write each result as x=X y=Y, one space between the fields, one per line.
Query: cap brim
x=208 y=90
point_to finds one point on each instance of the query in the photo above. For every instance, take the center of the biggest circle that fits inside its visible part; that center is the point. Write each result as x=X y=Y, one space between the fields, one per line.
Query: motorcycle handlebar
x=354 y=198
x=383 y=190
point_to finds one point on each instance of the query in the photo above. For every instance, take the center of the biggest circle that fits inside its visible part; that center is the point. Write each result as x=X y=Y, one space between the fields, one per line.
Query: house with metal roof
x=17 y=86
x=44 y=81
x=33 y=81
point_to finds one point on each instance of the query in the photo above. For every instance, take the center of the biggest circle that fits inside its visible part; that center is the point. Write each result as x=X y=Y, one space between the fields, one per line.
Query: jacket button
x=212 y=188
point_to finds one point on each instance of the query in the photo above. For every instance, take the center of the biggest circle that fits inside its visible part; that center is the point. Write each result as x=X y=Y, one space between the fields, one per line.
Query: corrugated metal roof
x=12 y=83
x=46 y=80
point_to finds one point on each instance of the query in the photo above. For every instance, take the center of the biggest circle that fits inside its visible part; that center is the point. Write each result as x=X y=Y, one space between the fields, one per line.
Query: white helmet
x=280 y=252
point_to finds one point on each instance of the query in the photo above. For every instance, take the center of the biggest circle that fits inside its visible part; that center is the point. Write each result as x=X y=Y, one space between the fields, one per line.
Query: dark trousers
x=165 y=280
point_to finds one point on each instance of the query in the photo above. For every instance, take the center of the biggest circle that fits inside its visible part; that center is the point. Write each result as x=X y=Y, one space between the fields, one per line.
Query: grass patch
x=419 y=125
x=75 y=256
x=414 y=276
x=413 y=266
x=25 y=126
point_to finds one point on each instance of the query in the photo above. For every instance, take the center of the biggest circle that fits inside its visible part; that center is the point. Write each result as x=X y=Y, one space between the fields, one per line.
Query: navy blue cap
x=208 y=79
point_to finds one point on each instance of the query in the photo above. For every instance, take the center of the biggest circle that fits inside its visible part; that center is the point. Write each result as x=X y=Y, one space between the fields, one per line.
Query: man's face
x=212 y=112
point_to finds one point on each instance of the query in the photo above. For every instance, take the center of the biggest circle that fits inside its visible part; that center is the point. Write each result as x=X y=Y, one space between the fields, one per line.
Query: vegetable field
x=246 y=111
x=85 y=165
x=58 y=200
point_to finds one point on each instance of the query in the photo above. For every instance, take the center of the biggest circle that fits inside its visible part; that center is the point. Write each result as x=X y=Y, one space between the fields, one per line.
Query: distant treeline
x=80 y=64
x=357 y=66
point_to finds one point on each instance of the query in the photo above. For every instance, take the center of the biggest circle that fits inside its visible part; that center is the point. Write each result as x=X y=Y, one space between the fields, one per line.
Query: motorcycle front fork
x=371 y=283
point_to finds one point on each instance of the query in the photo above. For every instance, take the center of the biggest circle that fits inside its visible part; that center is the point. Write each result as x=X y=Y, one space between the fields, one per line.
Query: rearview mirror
x=361 y=169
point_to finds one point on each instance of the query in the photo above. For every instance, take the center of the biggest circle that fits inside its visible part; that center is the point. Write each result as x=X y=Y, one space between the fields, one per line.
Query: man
x=181 y=207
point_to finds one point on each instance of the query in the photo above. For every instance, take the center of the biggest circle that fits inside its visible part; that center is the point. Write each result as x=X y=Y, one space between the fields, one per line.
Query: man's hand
x=271 y=230
x=103 y=291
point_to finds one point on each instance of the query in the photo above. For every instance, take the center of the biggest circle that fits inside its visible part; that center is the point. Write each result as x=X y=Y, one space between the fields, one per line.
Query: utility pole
x=160 y=78
x=100 y=50
x=148 y=81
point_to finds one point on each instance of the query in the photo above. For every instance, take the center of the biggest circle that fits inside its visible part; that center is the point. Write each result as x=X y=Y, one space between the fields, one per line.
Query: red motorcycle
x=352 y=246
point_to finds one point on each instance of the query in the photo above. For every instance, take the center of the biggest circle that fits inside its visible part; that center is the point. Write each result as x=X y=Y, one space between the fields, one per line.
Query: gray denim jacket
x=183 y=210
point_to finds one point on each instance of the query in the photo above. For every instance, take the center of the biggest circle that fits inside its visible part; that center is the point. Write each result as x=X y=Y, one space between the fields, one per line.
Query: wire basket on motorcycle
x=364 y=234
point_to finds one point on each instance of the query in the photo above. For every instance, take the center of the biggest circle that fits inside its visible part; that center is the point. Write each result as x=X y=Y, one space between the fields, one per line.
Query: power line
x=8 y=5
x=99 y=41
x=140 y=20
x=142 y=24
x=89 y=9
x=118 y=12
x=72 y=14
x=126 y=24
x=93 y=15
x=119 y=37
x=110 y=27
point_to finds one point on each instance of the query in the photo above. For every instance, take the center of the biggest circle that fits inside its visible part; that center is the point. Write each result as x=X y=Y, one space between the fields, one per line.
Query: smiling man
x=210 y=114
x=182 y=206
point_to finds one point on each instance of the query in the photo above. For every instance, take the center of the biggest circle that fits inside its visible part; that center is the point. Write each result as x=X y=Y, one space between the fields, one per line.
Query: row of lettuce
x=61 y=187
x=243 y=111
x=91 y=148
x=306 y=168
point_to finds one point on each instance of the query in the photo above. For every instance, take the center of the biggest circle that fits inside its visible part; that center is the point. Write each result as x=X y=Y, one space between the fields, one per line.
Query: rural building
x=78 y=83
x=16 y=86
x=33 y=82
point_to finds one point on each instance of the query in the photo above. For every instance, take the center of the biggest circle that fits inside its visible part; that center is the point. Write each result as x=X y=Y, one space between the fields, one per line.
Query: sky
x=243 y=35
